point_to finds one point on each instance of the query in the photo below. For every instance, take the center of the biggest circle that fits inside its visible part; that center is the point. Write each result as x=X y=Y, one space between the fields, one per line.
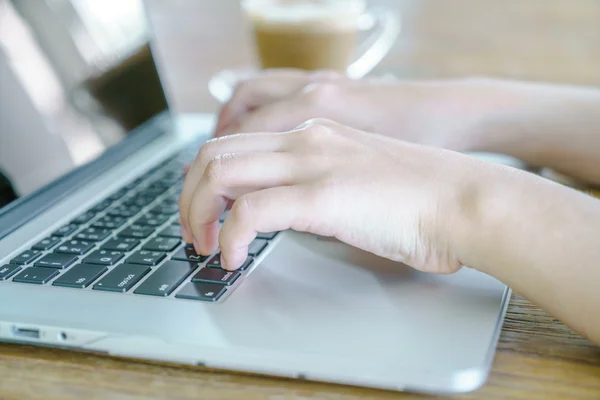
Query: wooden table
x=537 y=358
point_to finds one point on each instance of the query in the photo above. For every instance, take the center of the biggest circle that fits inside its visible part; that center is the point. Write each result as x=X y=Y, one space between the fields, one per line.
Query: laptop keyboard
x=130 y=242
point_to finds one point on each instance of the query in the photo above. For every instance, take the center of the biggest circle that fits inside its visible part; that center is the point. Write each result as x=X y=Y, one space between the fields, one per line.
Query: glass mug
x=314 y=34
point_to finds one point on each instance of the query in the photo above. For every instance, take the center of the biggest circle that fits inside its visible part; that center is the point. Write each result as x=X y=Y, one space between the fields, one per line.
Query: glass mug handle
x=385 y=25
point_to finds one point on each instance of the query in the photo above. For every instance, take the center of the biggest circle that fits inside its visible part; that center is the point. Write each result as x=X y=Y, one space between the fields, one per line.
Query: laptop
x=91 y=256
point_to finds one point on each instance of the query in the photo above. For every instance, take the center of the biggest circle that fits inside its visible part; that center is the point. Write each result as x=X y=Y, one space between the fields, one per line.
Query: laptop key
x=165 y=208
x=166 y=278
x=8 y=270
x=79 y=247
x=256 y=247
x=103 y=205
x=54 y=260
x=201 y=291
x=124 y=211
x=122 y=278
x=104 y=257
x=36 y=275
x=136 y=231
x=162 y=244
x=109 y=222
x=84 y=218
x=121 y=244
x=66 y=230
x=47 y=243
x=80 y=276
x=146 y=257
x=215 y=275
x=173 y=231
x=139 y=201
x=152 y=219
x=215 y=262
x=26 y=257
x=187 y=253
x=93 y=234
x=223 y=216
x=118 y=194
x=266 y=235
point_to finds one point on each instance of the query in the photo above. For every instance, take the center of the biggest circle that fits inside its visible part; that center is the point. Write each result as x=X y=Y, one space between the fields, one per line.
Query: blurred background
x=65 y=65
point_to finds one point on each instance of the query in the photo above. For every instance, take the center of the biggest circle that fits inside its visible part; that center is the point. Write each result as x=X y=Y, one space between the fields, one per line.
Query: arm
x=555 y=126
x=540 y=238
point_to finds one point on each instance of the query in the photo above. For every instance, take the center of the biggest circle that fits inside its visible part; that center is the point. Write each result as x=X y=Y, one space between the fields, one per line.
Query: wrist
x=488 y=207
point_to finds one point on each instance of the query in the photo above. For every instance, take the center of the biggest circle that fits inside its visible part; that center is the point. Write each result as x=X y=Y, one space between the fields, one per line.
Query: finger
x=260 y=142
x=299 y=207
x=276 y=117
x=259 y=91
x=266 y=89
x=231 y=176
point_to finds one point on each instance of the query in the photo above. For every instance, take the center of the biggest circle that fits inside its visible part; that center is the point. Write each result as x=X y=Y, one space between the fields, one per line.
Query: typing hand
x=395 y=199
x=450 y=114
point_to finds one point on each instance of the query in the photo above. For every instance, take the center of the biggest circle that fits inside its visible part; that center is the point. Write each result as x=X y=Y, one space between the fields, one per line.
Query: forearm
x=543 y=240
x=544 y=125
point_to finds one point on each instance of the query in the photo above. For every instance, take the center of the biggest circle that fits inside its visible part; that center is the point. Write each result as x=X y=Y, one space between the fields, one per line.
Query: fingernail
x=185 y=232
x=224 y=263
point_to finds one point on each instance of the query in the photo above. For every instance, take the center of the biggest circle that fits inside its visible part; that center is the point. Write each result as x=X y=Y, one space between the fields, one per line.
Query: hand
x=526 y=120
x=445 y=114
x=397 y=200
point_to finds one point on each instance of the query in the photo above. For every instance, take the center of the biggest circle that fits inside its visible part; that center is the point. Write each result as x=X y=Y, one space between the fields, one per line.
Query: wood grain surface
x=538 y=357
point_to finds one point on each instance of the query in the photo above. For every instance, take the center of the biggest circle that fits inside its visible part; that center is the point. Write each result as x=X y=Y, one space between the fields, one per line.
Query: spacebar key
x=166 y=278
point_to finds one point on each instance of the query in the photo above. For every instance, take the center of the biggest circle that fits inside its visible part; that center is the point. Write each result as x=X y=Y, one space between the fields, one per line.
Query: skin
x=449 y=210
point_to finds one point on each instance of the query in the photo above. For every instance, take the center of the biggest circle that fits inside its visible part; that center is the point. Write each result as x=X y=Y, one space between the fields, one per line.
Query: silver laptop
x=91 y=256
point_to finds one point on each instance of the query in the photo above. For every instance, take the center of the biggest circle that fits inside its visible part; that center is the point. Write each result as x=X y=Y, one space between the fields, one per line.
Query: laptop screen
x=75 y=77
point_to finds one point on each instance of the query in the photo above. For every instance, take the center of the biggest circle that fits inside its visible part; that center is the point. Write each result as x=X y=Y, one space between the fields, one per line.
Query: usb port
x=28 y=333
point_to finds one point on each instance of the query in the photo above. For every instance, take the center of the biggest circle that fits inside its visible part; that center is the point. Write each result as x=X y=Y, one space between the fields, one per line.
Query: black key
x=139 y=201
x=79 y=247
x=201 y=291
x=66 y=230
x=162 y=244
x=145 y=257
x=26 y=257
x=133 y=184
x=256 y=247
x=118 y=194
x=121 y=244
x=80 y=276
x=84 y=218
x=187 y=253
x=104 y=257
x=215 y=262
x=152 y=219
x=103 y=205
x=266 y=235
x=173 y=231
x=123 y=211
x=223 y=216
x=122 y=278
x=53 y=260
x=136 y=231
x=36 y=275
x=166 y=278
x=93 y=234
x=165 y=208
x=109 y=222
x=215 y=275
x=46 y=244
x=8 y=270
